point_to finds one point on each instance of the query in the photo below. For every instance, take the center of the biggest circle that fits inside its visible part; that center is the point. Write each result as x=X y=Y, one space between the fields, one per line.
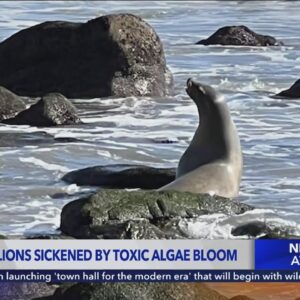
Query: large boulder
x=121 y=214
x=292 y=92
x=122 y=176
x=136 y=291
x=113 y=55
x=239 y=36
x=10 y=104
x=53 y=109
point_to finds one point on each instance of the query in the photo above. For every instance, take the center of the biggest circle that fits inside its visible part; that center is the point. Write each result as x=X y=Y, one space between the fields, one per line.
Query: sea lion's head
x=211 y=105
x=203 y=95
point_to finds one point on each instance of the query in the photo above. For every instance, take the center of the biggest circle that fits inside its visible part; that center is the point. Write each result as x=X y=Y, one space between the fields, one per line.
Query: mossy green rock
x=138 y=214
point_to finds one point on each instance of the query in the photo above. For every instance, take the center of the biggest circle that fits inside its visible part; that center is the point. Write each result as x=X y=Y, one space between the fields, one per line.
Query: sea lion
x=213 y=161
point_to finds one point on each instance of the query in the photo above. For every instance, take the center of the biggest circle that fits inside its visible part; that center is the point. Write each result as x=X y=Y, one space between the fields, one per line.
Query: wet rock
x=239 y=36
x=66 y=140
x=136 y=291
x=292 y=92
x=122 y=176
x=25 y=291
x=252 y=229
x=113 y=55
x=53 y=109
x=10 y=104
x=263 y=230
x=117 y=213
x=166 y=141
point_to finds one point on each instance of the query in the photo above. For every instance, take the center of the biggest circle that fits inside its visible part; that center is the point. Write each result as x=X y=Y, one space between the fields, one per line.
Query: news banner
x=150 y=260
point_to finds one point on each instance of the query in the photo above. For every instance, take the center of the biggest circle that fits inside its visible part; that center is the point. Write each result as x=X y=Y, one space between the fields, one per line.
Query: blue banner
x=277 y=254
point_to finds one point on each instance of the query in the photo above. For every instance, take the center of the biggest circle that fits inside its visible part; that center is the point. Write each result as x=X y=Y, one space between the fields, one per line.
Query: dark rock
x=122 y=176
x=10 y=104
x=66 y=140
x=239 y=36
x=263 y=230
x=252 y=229
x=53 y=109
x=25 y=291
x=292 y=92
x=113 y=55
x=117 y=213
x=136 y=291
x=167 y=141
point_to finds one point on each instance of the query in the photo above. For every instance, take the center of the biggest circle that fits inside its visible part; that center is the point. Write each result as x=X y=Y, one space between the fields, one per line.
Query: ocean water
x=129 y=130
